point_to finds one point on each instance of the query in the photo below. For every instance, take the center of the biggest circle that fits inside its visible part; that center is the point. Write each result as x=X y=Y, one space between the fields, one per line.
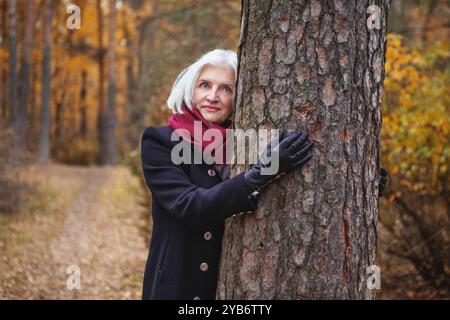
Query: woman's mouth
x=211 y=109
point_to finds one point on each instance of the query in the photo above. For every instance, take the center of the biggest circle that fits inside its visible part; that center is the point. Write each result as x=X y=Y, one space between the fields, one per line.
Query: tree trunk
x=147 y=28
x=12 y=27
x=44 y=139
x=60 y=102
x=3 y=80
x=25 y=80
x=83 y=105
x=432 y=4
x=101 y=128
x=13 y=157
x=111 y=157
x=314 y=66
x=134 y=116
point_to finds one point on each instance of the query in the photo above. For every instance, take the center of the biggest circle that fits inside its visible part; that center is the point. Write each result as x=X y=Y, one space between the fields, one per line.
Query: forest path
x=78 y=233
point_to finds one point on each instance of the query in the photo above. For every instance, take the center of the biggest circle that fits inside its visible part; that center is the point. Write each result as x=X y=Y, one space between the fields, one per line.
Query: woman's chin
x=214 y=120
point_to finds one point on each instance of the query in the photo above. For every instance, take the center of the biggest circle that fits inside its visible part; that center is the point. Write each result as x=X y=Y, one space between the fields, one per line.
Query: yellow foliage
x=416 y=118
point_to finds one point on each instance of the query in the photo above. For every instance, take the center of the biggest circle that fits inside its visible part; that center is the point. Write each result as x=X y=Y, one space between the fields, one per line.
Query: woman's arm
x=174 y=190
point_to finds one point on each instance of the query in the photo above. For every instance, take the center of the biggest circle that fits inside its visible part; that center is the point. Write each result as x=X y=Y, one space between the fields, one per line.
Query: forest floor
x=60 y=224
x=72 y=223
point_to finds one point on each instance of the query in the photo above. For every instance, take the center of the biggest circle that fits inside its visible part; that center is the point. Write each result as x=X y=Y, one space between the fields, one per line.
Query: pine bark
x=313 y=66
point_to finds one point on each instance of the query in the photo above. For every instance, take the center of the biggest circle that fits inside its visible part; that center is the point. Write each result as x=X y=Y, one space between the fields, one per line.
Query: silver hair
x=183 y=87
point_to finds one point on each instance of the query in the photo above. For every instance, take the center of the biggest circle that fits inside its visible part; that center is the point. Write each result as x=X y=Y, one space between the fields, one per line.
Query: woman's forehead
x=224 y=75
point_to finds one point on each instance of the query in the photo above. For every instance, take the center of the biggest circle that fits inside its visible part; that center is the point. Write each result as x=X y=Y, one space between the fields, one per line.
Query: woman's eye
x=226 y=89
x=203 y=85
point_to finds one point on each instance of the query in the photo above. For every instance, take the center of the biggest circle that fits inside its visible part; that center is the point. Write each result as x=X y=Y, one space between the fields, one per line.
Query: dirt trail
x=85 y=224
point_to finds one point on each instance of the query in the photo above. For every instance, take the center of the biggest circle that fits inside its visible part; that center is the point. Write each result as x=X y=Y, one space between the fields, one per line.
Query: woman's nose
x=212 y=95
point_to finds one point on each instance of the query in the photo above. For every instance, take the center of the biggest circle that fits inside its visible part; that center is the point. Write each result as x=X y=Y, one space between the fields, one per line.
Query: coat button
x=211 y=172
x=207 y=235
x=204 y=266
x=197 y=298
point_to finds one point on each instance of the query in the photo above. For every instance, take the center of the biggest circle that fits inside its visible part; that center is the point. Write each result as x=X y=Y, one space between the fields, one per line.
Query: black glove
x=293 y=151
x=383 y=182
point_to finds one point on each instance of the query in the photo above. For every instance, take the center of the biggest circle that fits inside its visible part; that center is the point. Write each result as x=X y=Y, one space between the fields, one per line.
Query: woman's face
x=214 y=93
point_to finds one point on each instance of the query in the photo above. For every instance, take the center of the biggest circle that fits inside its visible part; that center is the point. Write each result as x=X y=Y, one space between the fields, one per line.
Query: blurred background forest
x=82 y=97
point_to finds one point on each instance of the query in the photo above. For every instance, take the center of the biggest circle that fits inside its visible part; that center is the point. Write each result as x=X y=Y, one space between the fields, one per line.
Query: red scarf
x=186 y=121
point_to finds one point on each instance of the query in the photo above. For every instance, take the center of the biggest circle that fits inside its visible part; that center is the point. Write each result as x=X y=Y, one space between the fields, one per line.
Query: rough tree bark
x=314 y=66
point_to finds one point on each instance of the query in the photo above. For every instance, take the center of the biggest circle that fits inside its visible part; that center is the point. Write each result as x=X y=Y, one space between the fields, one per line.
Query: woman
x=190 y=202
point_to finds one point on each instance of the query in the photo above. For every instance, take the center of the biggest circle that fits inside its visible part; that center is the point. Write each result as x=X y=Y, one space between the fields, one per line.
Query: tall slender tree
x=3 y=86
x=21 y=134
x=45 y=119
x=83 y=105
x=111 y=157
x=12 y=37
x=101 y=128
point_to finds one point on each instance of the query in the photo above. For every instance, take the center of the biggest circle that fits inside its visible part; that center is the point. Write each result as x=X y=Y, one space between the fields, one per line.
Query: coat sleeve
x=174 y=190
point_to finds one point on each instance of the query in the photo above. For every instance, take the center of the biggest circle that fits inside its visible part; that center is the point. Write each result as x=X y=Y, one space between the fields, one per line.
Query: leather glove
x=293 y=151
x=383 y=182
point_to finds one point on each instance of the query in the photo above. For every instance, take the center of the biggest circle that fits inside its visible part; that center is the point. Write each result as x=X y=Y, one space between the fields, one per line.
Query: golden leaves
x=416 y=122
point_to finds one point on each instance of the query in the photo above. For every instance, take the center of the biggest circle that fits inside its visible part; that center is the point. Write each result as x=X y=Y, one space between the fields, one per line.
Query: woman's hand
x=383 y=182
x=293 y=151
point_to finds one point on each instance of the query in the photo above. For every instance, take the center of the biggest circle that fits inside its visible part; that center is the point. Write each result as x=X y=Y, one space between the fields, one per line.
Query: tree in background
x=45 y=119
x=13 y=85
x=21 y=134
x=110 y=156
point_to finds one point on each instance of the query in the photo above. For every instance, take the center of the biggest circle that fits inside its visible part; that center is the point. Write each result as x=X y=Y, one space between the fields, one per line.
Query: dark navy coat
x=190 y=203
